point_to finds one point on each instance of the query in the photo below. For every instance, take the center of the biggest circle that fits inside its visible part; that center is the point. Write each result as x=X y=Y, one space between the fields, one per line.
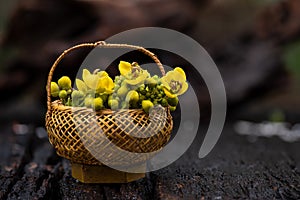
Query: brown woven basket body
x=75 y=132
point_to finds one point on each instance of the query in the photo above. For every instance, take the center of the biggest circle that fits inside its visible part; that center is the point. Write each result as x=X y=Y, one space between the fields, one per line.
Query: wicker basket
x=68 y=126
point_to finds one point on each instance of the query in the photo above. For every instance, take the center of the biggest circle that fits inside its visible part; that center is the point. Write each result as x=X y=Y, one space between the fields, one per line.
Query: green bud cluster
x=144 y=96
x=62 y=89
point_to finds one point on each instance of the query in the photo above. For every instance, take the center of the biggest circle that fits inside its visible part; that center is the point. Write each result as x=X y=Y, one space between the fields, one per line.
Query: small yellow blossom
x=106 y=85
x=133 y=73
x=100 y=82
x=174 y=83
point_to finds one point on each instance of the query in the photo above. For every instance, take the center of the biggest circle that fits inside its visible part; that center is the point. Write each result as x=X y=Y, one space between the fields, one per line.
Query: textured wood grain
x=237 y=168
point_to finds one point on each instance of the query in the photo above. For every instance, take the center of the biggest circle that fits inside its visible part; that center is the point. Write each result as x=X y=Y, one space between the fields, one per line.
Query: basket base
x=103 y=174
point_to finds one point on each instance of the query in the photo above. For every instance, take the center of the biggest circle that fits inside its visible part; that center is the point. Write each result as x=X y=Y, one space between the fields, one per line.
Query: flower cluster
x=134 y=88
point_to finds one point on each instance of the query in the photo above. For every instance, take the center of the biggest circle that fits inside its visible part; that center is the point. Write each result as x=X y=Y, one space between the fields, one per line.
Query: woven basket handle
x=93 y=45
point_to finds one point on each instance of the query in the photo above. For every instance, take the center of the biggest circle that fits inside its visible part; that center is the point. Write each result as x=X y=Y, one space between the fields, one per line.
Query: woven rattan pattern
x=67 y=127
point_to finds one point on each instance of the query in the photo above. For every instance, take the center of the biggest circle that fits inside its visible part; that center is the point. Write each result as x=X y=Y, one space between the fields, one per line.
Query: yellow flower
x=174 y=83
x=100 y=82
x=105 y=85
x=137 y=78
x=133 y=73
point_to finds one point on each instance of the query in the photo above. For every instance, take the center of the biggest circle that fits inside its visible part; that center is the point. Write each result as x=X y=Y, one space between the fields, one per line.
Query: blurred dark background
x=255 y=44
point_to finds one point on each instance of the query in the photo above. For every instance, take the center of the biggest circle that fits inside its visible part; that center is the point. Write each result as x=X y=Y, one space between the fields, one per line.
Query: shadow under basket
x=84 y=136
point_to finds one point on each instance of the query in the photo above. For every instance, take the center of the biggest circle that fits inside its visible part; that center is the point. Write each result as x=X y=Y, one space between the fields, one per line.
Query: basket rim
x=58 y=104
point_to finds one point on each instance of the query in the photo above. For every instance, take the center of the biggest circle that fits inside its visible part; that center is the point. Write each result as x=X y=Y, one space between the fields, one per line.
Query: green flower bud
x=147 y=105
x=118 y=82
x=63 y=94
x=110 y=97
x=98 y=103
x=69 y=91
x=116 y=78
x=65 y=83
x=132 y=96
x=141 y=88
x=77 y=94
x=113 y=103
x=89 y=102
x=104 y=97
x=54 y=89
x=142 y=97
x=122 y=91
x=173 y=101
x=155 y=77
x=122 y=78
x=164 y=102
x=159 y=87
x=143 y=92
x=77 y=97
x=172 y=108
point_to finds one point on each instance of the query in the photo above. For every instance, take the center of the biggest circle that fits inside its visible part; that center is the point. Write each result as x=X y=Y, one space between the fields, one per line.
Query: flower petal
x=89 y=79
x=81 y=86
x=183 y=88
x=166 y=80
x=124 y=68
x=165 y=83
x=169 y=76
x=136 y=81
x=85 y=74
x=105 y=84
x=180 y=70
x=177 y=76
x=102 y=73
x=168 y=93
